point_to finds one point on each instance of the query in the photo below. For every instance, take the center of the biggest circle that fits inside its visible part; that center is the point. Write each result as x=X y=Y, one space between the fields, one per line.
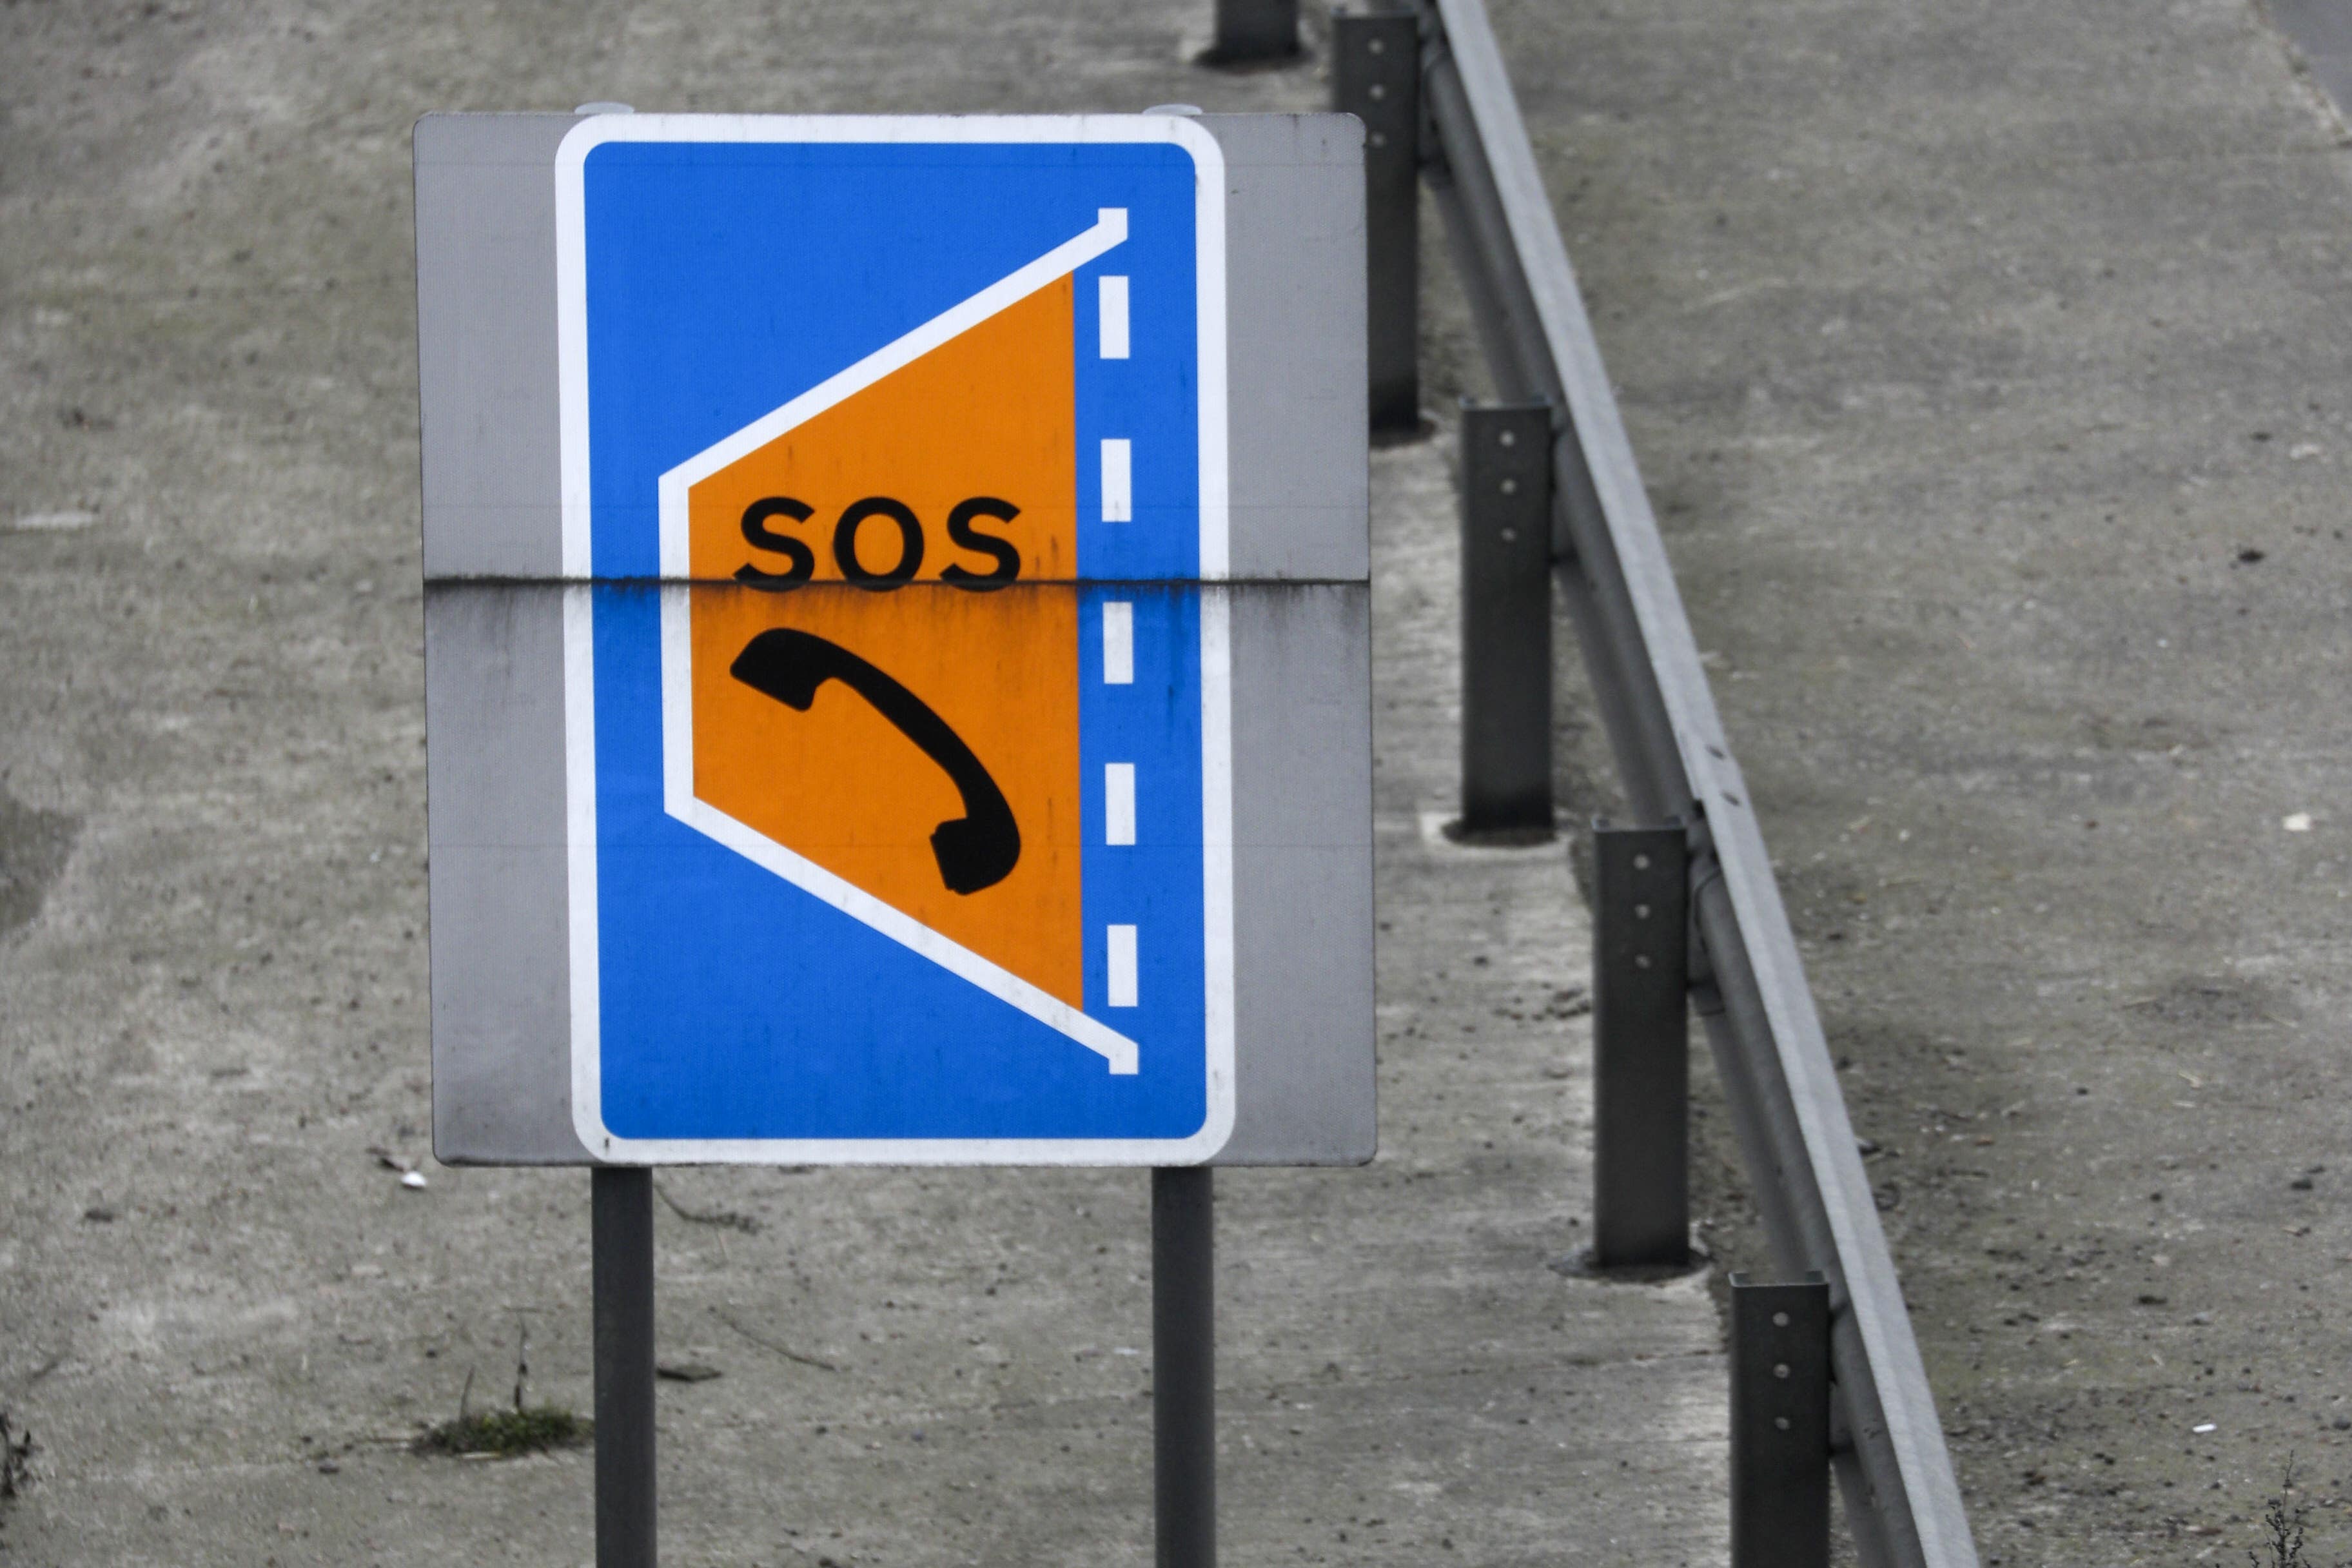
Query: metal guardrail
x=1610 y=567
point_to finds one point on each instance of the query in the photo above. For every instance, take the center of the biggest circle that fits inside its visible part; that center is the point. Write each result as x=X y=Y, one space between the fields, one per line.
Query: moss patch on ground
x=506 y=1433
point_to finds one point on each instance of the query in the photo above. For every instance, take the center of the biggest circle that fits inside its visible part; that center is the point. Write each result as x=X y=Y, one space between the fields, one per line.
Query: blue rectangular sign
x=899 y=771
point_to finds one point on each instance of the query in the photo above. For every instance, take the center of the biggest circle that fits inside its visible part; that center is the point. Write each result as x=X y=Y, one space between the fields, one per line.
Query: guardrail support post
x=1506 y=621
x=1376 y=77
x=1779 y=1424
x=1254 y=30
x=1641 y=1044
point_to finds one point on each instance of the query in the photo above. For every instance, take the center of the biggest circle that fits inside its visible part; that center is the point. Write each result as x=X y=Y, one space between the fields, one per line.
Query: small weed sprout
x=506 y=1433
x=503 y=1434
x=2285 y=1520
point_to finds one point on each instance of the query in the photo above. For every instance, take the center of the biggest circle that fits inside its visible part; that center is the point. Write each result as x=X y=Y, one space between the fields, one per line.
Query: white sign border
x=579 y=636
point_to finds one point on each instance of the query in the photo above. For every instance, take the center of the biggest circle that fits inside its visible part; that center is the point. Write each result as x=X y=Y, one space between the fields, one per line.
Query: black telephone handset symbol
x=976 y=850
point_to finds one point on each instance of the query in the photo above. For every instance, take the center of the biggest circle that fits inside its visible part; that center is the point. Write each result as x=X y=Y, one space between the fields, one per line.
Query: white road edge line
x=1122 y=966
x=1119 y=642
x=1118 y=803
x=1111 y=297
x=1118 y=480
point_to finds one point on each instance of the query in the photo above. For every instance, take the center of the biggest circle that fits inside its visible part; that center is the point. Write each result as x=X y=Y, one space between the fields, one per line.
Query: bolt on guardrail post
x=1779 y=1424
x=1254 y=30
x=1376 y=77
x=1507 y=620
x=1641 y=1044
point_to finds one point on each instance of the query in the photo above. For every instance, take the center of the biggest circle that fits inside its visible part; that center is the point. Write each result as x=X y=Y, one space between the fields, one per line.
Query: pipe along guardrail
x=1826 y=1375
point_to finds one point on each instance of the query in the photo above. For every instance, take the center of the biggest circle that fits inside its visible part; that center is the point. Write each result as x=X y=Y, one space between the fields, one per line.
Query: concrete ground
x=1989 y=365
x=225 y=1314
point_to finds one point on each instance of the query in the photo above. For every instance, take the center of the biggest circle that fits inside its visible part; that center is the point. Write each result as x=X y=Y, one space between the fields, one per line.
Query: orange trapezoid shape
x=987 y=415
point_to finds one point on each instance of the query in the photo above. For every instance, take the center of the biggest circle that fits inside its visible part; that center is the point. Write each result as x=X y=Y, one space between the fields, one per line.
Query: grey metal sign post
x=1184 y=1366
x=622 y=1265
x=895 y=703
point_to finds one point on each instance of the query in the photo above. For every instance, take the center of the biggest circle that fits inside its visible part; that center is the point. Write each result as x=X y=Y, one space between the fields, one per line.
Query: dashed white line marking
x=1118 y=643
x=1117 y=482
x=1111 y=295
x=1122 y=966
x=1118 y=803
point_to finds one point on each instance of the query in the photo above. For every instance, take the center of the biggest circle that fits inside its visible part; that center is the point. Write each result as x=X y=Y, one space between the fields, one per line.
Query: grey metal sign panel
x=485 y=343
x=1281 y=666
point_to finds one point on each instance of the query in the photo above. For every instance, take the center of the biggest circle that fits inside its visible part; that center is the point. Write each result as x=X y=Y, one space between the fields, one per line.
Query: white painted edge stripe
x=1119 y=642
x=1118 y=480
x=1118 y=803
x=1110 y=299
x=1121 y=965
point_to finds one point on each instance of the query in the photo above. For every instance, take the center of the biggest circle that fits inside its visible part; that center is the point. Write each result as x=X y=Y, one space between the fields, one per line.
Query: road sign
x=908 y=564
